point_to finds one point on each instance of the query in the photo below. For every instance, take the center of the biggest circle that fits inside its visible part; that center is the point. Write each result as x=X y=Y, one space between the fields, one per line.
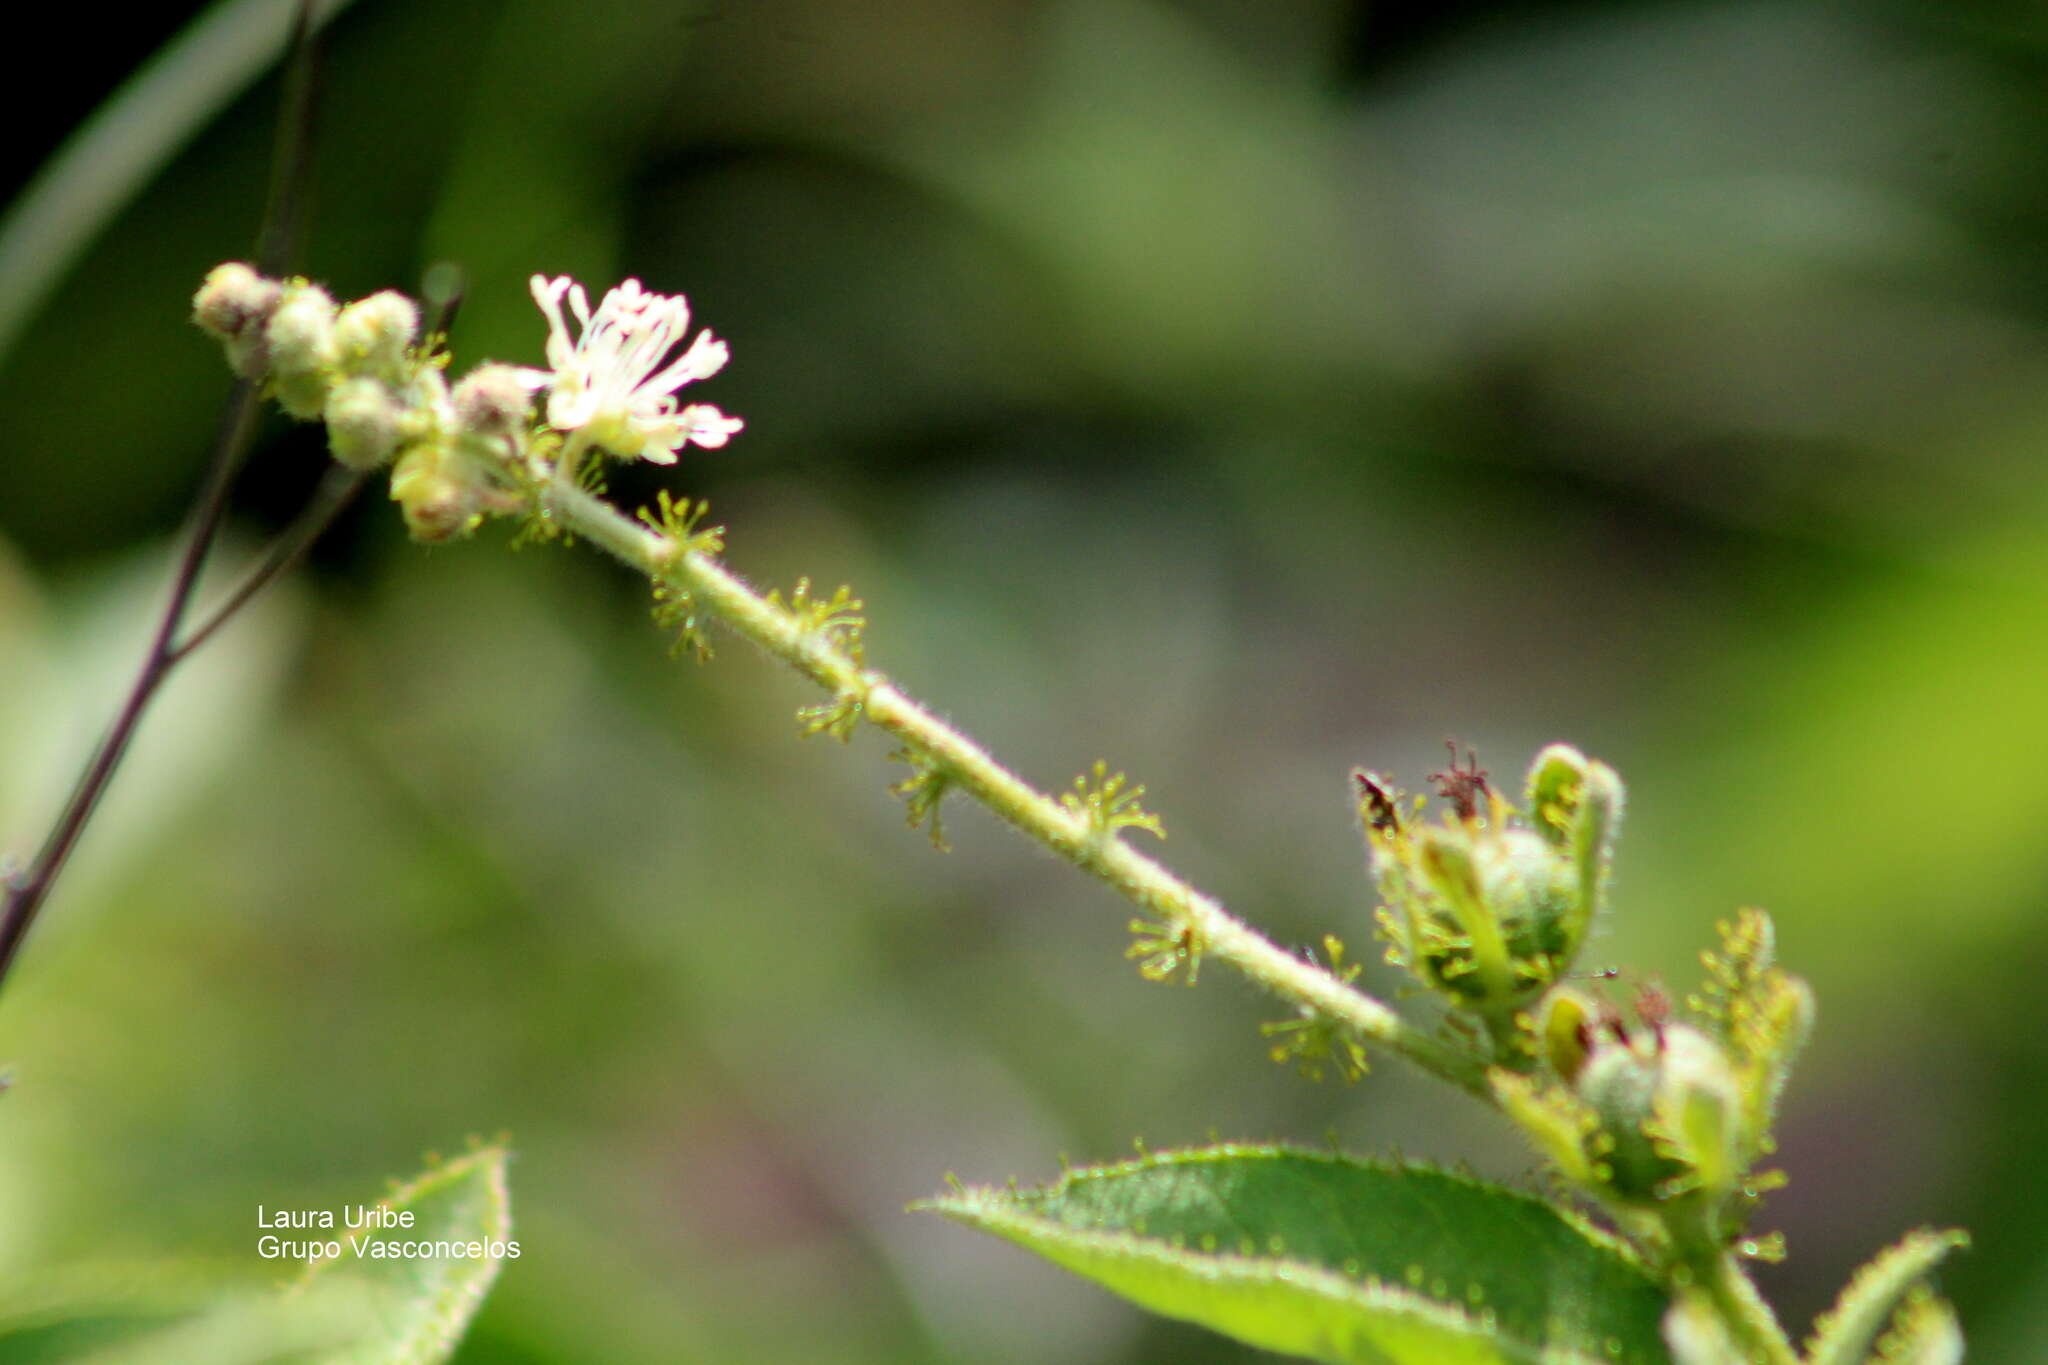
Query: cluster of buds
x=458 y=454
x=1665 y=1115
x=1490 y=905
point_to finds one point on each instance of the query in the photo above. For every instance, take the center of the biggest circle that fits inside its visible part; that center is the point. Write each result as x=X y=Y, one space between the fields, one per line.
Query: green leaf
x=116 y=1314
x=1846 y=1333
x=257 y=1329
x=400 y=1307
x=68 y=1313
x=462 y=1219
x=1338 y=1260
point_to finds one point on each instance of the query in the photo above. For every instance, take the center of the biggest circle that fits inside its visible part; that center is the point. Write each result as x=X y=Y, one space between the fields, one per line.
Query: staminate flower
x=609 y=381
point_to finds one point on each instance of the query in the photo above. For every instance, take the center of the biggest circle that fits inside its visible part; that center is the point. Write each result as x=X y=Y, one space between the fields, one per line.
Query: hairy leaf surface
x=429 y=1298
x=1339 y=1260
x=1848 y=1332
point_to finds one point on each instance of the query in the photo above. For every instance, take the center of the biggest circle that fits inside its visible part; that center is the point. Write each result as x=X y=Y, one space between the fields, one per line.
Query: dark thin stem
x=291 y=164
x=336 y=491
x=25 y=894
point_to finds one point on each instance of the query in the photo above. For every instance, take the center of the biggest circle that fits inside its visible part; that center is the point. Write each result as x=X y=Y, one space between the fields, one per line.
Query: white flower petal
x=706 y=426
x=610 y=382
x=707 y=356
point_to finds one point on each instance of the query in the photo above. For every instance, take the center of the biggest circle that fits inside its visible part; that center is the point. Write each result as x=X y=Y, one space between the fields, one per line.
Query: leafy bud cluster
x=1670 y=1116
x=1490 y=905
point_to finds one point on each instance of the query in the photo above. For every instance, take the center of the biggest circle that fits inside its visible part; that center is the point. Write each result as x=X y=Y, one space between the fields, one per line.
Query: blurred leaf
x=1905 y=699
x=1337 y=1260
x=433 y=1297
x=115 y=153
x=359 y=1308
x=253 y=1329
x=63 y=673
x=1151 y=155
x=68 y=1314
x=104 y=1314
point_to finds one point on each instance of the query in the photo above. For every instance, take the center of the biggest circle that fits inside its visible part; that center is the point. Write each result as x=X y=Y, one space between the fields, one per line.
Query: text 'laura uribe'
x=363 y=1228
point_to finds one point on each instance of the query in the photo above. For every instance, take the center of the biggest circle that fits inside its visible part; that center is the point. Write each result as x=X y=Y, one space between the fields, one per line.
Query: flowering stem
x=569 y=461
x=970 y=768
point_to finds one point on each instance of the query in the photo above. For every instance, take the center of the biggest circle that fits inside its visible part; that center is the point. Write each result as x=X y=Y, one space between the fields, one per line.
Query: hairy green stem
x=969 y=767
x=1716 y=1272
x=1743 y=1309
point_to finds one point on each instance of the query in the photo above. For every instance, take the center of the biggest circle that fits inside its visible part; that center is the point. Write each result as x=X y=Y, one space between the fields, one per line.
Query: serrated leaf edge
x=1185 y=1156
x=445 y=1320
x=994 y=1209
x=979 y=1208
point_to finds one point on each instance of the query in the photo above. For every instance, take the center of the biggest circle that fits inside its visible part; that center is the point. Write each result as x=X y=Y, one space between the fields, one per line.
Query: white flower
x=609 y=382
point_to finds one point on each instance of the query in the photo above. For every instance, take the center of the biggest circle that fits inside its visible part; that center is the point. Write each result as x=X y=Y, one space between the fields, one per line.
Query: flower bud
x=373 y=335
x=439 y=500
x=1619 y=1083
x=1490 y=906
x=363 y=423
x=1531 y=891
x=302 y=349
x=1699 y=1109
x=428 y=415
x=1669 y=1103
x=496 y=401
x=234 y=304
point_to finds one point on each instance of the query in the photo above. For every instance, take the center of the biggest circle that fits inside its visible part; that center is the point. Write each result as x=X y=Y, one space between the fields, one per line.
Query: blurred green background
x=1239 y=390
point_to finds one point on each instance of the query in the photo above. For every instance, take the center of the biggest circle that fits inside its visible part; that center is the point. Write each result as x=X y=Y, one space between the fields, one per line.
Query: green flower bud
x=302 y=349
x=363 y=423
x=1669 y=1102
x=440 y=498
x=425 y=415
x=1490 y=906
x=372 y=336
x=234 y=305
x=1532 y=891
x=1699 y=1109
x=1619 y=1084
